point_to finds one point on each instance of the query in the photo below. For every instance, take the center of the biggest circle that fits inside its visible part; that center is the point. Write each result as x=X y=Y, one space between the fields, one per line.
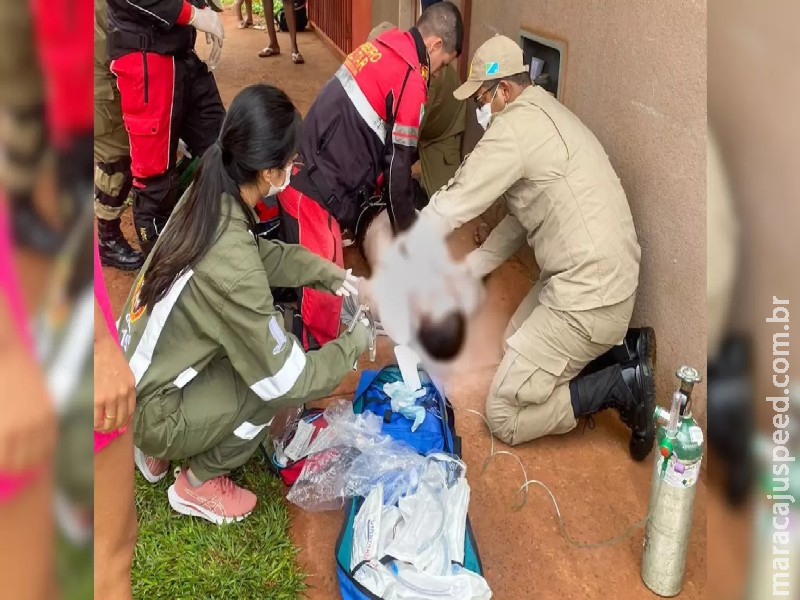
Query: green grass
x=75 y=570
x=187 y=558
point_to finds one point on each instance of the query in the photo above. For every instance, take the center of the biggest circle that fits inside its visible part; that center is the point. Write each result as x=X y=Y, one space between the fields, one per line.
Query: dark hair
x=522 y=79
x=259 y=132
x=443 y=338
x=443 y=19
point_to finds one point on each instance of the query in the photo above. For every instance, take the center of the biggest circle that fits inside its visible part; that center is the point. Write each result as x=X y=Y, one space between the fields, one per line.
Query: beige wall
x=636 y=75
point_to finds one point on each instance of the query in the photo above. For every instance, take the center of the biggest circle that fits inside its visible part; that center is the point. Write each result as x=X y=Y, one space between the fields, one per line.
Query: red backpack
x=298 y=219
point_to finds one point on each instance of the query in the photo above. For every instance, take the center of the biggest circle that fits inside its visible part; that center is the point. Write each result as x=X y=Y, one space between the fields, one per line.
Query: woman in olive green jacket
x=212 y=360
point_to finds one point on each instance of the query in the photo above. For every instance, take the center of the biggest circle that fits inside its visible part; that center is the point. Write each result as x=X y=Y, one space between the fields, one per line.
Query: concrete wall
x=636 y=75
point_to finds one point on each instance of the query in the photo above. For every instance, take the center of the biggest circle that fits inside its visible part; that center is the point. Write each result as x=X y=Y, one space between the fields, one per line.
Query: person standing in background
x=167 y=93
x=291 y=21
x=113 y=179
x=244 y=23
x=22 y=133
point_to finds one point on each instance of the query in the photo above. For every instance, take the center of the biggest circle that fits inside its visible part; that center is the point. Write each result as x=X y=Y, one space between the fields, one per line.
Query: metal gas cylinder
x=680 y=443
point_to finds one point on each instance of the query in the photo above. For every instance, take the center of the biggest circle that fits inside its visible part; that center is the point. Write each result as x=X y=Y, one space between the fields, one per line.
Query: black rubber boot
x=639 y=342
x=30 y=230
x=115 y=251
x=630 y=390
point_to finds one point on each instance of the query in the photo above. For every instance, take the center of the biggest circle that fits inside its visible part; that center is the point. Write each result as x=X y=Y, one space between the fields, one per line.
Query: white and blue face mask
x=484 y=113
x=274 y=190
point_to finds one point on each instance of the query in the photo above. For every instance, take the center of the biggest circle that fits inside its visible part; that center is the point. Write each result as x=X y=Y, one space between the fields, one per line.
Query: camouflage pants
x=112 y=175
x=22 y=133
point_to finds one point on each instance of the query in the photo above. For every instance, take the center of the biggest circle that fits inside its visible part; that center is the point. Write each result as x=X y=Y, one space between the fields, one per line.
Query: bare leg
x=273 y=49
x=291 y=21
x=237 y=10
x=249 y=7
x=27 y=542
x=114 y=519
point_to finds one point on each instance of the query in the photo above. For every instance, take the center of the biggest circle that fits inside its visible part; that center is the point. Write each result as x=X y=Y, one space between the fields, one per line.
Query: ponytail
x=259 y=133
x=193 y=227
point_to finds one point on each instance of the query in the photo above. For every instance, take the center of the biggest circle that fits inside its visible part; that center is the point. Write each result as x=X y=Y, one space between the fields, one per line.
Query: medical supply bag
x=436 y=434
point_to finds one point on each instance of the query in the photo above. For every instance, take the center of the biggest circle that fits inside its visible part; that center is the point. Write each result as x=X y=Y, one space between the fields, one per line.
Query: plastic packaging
x=416 y=539
x=393 y=464
x=404 y=402
x=460 y=584
x=348 y=441
x=367 y=530
x=321 y=484
x=455 y=528
x=345 y=428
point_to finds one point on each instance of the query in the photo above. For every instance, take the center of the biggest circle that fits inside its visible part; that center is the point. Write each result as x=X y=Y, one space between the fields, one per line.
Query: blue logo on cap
x=492 y=68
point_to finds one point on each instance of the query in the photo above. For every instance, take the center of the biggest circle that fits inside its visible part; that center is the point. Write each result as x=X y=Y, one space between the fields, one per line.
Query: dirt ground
x=600 y=490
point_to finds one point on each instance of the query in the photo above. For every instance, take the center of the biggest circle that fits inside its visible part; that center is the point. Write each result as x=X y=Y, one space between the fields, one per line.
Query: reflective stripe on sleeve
x=360 y=102
x=248 y=430
x=279 y=384
x=405 y=136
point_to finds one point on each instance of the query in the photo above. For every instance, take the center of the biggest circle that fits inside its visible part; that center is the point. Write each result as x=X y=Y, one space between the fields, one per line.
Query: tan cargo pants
x=545 y=349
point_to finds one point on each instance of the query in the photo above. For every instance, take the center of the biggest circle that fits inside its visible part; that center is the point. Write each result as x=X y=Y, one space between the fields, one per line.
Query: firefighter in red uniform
x=363 y=125
x=167 y=93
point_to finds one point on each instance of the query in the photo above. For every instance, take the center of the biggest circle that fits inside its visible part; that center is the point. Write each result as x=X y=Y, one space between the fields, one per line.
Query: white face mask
x=484 y=113
x=274 y=190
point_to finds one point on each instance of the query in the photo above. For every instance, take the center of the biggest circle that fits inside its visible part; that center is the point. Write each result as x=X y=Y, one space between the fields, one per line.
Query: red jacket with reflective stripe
x=347 y=140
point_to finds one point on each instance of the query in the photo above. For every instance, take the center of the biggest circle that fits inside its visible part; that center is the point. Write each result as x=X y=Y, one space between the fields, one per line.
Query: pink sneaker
x=218 y=500
x=153 y=469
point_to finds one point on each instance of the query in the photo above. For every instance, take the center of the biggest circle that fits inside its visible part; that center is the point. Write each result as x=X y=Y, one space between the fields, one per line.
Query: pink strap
x=101 y=440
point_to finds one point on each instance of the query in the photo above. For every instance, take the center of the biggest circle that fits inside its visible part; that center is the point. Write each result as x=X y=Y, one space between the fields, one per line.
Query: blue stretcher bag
x=435 y=434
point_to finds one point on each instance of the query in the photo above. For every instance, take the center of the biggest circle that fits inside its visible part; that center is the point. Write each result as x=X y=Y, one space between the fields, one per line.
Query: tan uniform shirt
x=563 y=197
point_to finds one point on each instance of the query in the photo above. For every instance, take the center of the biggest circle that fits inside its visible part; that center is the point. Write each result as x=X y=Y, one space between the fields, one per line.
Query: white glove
x=206 y=20
x=216 y=51
x=349 y=286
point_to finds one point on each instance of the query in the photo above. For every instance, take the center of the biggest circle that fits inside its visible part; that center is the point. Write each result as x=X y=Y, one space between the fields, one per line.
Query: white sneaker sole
x=193 y=510
x=139 y=459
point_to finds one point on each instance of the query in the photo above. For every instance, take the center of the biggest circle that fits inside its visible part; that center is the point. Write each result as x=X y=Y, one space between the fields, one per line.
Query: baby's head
x=443 y=338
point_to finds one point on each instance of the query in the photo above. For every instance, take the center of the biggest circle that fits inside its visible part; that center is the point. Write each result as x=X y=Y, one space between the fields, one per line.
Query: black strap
x=129 y=40
x=384 y=561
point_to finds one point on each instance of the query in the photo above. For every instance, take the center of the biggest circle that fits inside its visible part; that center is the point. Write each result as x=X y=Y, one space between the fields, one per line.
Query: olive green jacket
x=222 y=308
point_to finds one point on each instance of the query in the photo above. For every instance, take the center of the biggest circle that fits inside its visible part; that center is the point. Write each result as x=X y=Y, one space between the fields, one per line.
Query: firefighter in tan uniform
x=207 y=347
x=569 y=353
x=113 y=179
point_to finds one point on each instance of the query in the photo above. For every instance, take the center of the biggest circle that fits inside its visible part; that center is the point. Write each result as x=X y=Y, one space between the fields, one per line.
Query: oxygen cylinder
x=677 y=468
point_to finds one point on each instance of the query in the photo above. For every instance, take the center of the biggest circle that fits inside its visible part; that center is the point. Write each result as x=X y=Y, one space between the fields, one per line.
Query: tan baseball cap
x=496 y=58
x=382 y=28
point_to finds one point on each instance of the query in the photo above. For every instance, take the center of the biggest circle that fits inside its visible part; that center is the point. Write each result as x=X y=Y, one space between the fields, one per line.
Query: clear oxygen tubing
x=523 y=493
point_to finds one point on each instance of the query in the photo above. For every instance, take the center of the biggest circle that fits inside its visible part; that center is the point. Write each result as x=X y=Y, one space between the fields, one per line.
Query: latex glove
x=349 y=286
x=207 y=21
x=216 y=51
